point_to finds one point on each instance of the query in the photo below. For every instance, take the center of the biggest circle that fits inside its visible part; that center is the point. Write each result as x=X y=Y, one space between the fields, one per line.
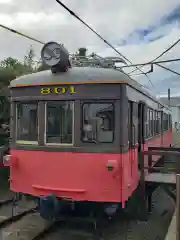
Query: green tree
x=7 y=74
x=29 y=60
x=9 y=62
x=14 y=67
x=10 y=68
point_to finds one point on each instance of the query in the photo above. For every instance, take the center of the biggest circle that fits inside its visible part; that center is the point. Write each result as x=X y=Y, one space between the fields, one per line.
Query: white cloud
x=114 y=20
x=145 y=52
x=5 y=1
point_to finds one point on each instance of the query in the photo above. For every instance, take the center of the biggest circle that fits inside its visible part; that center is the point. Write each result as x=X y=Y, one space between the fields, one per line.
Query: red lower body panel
x=79 y=176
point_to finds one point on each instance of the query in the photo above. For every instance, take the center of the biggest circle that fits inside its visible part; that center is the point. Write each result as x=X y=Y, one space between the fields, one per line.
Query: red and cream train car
x=76 y=134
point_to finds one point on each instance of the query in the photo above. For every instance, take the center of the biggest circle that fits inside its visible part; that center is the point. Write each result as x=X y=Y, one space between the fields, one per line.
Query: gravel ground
x=6 y=212
x=4 y=184
x=5 y=194
x=25 y=229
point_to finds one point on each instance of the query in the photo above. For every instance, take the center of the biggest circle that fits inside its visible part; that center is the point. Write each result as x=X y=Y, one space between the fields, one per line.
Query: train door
x=133 y=136
x=141 y=120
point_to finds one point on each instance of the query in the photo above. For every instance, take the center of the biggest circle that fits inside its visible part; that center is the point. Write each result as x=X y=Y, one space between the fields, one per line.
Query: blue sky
x=156 y=30
x=140 y=31
x=153 y=39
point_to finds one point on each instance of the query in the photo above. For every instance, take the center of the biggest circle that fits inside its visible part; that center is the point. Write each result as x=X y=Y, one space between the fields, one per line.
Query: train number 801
x=58 y=90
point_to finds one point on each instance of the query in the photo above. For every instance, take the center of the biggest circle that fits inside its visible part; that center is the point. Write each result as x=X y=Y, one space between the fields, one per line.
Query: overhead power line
x=167 y=50
x=168 y=69
x=158 y=63
x=97 y=34
x=149 y=63
x=21 y=34
x=164 y=52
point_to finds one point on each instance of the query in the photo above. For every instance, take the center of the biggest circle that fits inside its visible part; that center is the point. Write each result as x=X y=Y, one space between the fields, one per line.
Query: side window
x=27 y=123
x=129 y=124
x=59 y=122
x=151 y=123
x=147 y=123
x=156 y=122
x=98 y=122
x=165 y=122
x=170 y=121
x=135 y=122
x=159 y=122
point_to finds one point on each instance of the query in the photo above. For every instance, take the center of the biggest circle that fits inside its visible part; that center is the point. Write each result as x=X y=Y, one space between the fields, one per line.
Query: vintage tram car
x=76 y=134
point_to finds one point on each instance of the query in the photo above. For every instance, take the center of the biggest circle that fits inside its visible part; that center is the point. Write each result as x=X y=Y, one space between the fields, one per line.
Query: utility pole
x=169 y=97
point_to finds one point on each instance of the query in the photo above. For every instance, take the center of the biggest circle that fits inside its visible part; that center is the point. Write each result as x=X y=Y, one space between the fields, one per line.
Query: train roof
x=75 y=75
x=80 y=75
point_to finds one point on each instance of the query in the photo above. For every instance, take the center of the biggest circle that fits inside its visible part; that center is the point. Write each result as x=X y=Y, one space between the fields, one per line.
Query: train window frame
x=147 y=124
x=160 y=121
x=104 y=101
x=45 y=125
x=150 y=123
x=24 y=142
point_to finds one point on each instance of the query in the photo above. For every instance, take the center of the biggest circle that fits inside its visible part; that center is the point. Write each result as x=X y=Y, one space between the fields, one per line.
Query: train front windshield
x=27 y=123
x=96 y=121
x=59 y=122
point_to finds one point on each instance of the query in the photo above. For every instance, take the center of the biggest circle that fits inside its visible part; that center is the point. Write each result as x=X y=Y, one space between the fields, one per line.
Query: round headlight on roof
x=54 y=54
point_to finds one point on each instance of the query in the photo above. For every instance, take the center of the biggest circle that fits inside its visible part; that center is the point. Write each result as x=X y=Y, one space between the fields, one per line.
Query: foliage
x=29 y=60
x=10 y=68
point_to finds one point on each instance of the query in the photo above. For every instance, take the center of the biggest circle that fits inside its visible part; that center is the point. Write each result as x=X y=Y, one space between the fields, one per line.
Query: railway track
x=12 y=211
x=6 y=202
x=26 y=224
x=31 y=227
